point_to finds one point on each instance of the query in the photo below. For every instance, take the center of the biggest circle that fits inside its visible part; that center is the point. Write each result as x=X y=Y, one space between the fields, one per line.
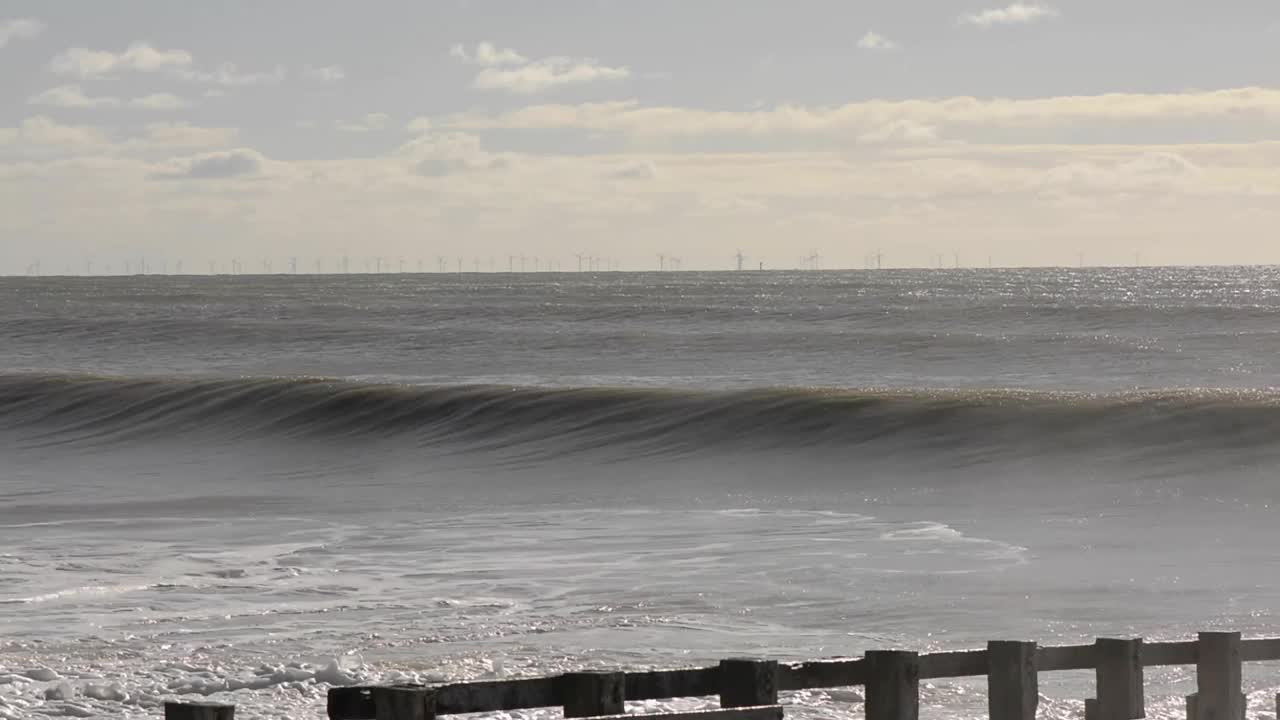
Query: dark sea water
x=251 y=488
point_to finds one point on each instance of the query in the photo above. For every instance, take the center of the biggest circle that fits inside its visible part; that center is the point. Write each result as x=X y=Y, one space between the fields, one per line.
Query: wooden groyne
x=748 y=688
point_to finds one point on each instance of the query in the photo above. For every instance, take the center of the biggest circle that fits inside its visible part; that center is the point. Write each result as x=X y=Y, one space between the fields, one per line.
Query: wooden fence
x=748 y=688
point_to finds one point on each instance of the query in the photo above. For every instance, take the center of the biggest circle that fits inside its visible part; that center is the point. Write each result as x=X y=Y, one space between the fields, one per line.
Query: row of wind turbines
x=582 y=262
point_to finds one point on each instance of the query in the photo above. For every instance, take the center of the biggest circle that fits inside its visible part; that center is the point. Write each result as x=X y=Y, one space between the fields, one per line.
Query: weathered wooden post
x=403 y=702
x=1218 y=677
x=198 y=711
x=588 y=694
x=349 y=703
x=1244 y=702
x=745 y=682
x=1118 y=666
x=1013 y=690
x=893 y=685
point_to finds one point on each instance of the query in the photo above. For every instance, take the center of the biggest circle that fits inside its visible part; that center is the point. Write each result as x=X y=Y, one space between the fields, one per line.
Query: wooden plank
x=962 y=663
x=1065 y=657
x=198 y=711
x=748 y=683
x=404 y=703
x=1013 y=689
x=768 y=712
x=494 y=695
x=1218 y=677
x=663 y=684
x=592 y=694
x=822 y=674
x=1119 y=678
x=1260 y=649
x=893 y=685
x=1169 y=653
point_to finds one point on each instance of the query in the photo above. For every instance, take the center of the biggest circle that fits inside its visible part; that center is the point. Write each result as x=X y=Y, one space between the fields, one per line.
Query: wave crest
x=59 y=408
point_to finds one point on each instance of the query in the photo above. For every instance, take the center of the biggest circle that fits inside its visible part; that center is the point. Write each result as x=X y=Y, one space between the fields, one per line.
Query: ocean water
x=252 y=488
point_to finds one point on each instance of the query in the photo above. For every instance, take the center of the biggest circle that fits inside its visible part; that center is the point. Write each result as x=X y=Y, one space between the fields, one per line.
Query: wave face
x=95 y=410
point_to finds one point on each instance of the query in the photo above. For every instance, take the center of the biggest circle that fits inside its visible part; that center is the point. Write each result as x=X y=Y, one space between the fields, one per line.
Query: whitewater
x=251 y=489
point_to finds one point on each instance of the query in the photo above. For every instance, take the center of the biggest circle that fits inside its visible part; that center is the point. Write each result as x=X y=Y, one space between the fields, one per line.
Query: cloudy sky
x=1027 y=133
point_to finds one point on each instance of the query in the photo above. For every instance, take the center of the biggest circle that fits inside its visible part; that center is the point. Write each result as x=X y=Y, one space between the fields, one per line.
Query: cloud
x=71 y=96
x=1099 y=198
x=160 y=101
x=1154 y=171
x=240 y=162
x=630 y=118
x=900 y=132
x=1015 y=14
x=143 y=57
x=634 y=170
x=189 y=136
x=487 y=54
x=18 y=29
x=138 y=57
x=440 y=154
x=873 y=40
x=547 y=74
x=42 y=130
x=371 y=122
x=326 y=74
x=230 y=75
x=509 y=71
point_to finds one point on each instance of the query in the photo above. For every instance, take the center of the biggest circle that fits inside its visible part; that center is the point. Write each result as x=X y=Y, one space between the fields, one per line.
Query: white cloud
x=230 y=75
x=371 y=122
x=183 y=135
x=900 y=132
x=143 y=57
x=873 y=40
x=487 y=54
x=240 y=162
x=138 y=57
x=19 y=28
x=1152 y=171
x=507 y=70
x=160 y=101
x=42 y=130
x=71 y=96
x=547 y=74
x=440 y=154
x=856 y=119
x=326 y=74
x=1015 y=14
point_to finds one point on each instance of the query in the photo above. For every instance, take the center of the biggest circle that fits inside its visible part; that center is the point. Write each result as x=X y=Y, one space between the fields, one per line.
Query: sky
x=809 y=133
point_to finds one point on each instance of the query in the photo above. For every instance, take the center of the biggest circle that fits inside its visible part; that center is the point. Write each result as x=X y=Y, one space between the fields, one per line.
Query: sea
x=249 y=489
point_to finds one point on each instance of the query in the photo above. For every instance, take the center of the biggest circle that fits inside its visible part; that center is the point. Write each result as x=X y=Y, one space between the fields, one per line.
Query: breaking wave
x=62 y=408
